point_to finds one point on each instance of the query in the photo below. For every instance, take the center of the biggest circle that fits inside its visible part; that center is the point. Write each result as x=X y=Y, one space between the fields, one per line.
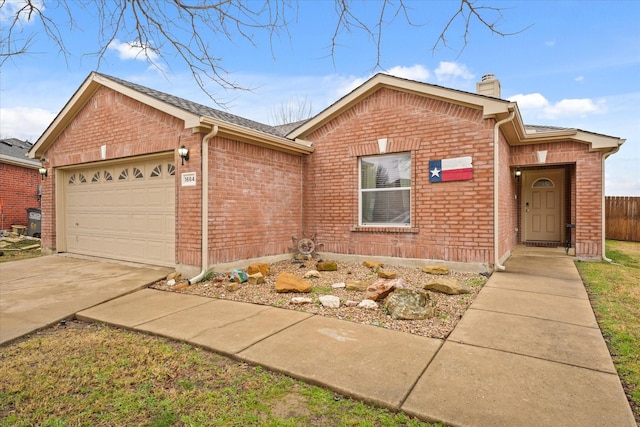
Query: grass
x=614 y=291
x=13 y=251
x=96 y=375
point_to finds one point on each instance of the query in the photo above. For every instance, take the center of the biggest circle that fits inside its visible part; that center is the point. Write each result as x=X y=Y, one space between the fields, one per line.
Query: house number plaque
x=189 y=179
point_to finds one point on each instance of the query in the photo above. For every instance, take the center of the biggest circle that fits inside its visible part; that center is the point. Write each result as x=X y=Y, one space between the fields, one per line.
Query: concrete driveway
x=39 y=292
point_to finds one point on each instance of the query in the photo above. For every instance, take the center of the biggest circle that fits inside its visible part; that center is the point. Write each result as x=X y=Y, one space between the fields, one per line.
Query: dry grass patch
x=94 y=375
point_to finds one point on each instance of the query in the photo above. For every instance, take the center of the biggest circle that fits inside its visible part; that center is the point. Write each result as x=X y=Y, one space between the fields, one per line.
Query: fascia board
x=190 y=119
x=68 y=112
x=254 y=137
x=84 y=94
x=26 y=163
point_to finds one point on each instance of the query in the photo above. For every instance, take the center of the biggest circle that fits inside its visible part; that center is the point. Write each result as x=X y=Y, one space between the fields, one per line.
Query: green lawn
x=614 y=290
x=95 y=375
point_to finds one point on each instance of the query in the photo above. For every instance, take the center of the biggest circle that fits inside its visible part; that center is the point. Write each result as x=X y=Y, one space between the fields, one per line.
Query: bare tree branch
x=188 y=30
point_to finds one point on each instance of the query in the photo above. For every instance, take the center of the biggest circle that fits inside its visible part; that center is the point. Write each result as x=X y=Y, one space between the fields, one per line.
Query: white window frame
x=362 y=191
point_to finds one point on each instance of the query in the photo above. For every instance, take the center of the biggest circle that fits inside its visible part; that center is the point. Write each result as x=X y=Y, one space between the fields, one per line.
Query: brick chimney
x=489 y=86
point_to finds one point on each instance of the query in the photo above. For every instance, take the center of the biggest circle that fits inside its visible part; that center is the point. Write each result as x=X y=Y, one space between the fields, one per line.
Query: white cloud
x=24 y=123
x=550 y=43
x=574 y=107
x=130 y=50
x=416 y=72
x=579 y=79
x=539 y=106
x=448 y=72
x=10 y=8
x=532 y=101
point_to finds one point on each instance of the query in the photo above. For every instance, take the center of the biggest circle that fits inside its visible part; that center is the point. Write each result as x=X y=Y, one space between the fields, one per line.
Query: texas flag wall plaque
x=455 y=169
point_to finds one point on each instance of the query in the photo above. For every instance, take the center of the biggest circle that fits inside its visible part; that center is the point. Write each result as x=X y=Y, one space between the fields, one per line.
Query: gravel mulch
x=449 y=308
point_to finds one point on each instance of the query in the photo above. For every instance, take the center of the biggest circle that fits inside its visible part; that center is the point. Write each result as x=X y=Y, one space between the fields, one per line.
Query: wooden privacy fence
x=622 y=218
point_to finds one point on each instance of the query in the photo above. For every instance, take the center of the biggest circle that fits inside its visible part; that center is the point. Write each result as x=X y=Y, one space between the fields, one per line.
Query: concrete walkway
x=527 y=353
x=39 y=292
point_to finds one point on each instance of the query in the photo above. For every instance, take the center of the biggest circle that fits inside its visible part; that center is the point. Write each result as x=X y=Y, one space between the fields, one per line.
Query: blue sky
x=571 y=64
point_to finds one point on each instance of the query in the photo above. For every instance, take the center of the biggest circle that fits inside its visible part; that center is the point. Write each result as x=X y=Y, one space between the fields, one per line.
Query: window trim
x=385 y=226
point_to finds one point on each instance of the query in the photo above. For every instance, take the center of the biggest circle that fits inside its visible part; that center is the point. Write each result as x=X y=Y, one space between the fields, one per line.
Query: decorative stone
x=374 y=265
x=381 y=288
x=311 y=274
x=302 y=257
x=357 y=285
x=407 y=304
x=339 y=285
x=175 y=276
x=181 y=286
x=301 y=300
x=330 y=301
x=256 y=278
x=351 y=303
x=447 y=286
x=435 y=269
x=232 y=287
x=261 y=267
x=383 y=274
x=327 y=266
x=287 y=282
x=171 y=282
x=367 y=303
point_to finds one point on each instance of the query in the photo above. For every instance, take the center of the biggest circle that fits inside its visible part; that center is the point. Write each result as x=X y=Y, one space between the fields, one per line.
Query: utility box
x=34 y=220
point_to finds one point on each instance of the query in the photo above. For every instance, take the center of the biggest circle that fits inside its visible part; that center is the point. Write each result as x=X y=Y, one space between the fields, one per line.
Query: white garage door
x=122 y=211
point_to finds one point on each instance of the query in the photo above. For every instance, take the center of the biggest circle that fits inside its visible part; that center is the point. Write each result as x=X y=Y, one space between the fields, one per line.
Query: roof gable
x=196 y=116
x=491 y=107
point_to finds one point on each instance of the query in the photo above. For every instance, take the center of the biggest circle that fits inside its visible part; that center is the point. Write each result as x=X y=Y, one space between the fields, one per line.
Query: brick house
x=19 y=183
x=395 y=169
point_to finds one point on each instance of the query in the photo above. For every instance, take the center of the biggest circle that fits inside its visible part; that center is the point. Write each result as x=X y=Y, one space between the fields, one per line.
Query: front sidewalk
x=528 y=352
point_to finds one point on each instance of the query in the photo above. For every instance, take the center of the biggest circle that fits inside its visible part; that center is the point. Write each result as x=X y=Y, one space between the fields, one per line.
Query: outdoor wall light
x=43 y=171
x=518 y=173
x=183 y=152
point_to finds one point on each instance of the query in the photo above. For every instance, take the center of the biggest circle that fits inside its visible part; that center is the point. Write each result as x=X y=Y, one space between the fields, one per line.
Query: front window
x=385 y=190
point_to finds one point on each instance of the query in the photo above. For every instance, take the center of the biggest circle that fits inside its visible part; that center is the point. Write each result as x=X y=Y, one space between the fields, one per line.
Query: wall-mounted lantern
x=183 y=152
x=43 y=171
x=518 y=174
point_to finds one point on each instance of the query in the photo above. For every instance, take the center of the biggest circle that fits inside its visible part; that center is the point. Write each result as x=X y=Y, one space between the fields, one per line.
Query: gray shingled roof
x=16 y=148
x=199 y=109
x=541 y=128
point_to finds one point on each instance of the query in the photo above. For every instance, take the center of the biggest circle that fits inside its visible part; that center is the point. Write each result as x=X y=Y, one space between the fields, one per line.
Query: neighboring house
x=19 y=183
x=396 y=168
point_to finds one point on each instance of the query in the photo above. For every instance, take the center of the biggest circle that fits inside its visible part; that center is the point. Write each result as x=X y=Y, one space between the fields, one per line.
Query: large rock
x=407 y=304
x=381 y=288
x=287 y=282
x=435 y=269
x=256 y=279
x=260 y=267
x=367 y=303
x=327 y=266
x=446 y=286
x=311 y=274
x=330 y=301
x=374 y=265
x=384 y=274
x=357 y=285
x=175 y=276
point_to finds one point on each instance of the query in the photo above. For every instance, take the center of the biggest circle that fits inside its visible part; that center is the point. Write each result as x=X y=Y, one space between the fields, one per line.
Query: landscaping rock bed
x=448 y=308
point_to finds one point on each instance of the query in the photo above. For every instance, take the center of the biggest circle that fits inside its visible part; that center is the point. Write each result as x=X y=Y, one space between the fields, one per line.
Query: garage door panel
x=124 y=212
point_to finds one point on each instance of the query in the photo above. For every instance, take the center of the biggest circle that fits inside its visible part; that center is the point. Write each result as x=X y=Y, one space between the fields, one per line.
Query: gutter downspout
x=604 y=219
x=205 y=205
x=496 y=137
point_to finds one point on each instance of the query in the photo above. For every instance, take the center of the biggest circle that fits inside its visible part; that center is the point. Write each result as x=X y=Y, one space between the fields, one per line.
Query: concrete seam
x=413 y=386
x=534 y=317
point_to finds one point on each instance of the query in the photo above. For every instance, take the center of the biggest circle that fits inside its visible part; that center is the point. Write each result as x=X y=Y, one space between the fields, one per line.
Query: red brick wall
x=507 y=202
x=18 y=192
x=128 y=128
x=255 y=201
x=450 y=221
x=585 y=192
